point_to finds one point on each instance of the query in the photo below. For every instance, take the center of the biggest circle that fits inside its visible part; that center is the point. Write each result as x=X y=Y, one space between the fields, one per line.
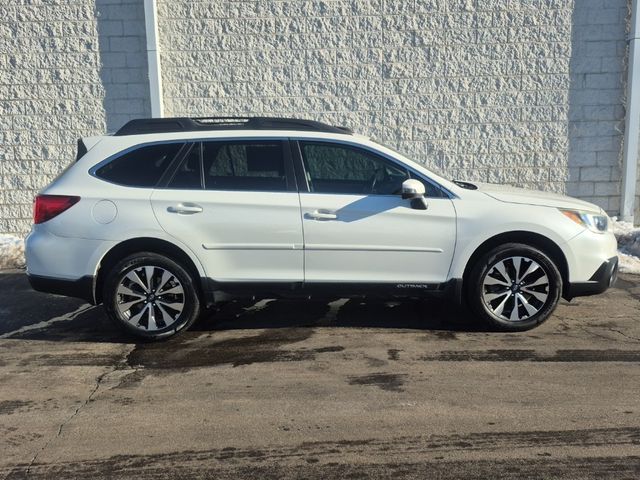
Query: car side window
x=256 y=165
x=189 y=173
x=343 y=169
x=142 y=167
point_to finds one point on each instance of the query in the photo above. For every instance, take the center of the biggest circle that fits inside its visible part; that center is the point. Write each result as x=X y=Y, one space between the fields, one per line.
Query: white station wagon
x=169 y=215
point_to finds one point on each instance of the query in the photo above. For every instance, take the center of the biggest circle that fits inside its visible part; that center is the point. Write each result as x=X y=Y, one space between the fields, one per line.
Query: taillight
x=48 y=206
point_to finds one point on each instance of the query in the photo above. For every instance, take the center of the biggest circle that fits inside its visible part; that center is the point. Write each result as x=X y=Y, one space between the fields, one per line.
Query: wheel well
x=144 y=244
x=546 y=245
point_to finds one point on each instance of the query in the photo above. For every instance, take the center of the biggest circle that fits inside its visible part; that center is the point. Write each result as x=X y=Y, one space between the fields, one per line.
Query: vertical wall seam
x=632 y=122
x=153 y=58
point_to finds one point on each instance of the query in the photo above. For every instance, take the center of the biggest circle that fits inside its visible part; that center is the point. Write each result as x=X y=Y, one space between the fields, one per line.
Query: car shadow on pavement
x=48 y=321
x=368 y=312
x=30 y=315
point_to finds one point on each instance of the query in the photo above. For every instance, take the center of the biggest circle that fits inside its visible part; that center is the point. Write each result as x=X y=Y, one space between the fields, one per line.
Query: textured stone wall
x=528 y=92
x=123 y=60
x=597 y=93
x=67 y=69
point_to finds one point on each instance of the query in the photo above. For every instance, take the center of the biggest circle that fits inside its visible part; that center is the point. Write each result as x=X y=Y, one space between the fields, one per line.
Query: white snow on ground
x=12 y=248
x=11 y=251
x=628 y=246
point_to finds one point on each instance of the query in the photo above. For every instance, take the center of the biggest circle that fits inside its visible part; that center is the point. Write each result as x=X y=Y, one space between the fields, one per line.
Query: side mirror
x=414 y=190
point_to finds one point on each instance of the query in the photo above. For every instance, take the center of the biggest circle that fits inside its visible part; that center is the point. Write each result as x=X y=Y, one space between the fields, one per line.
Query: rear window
x=142 y=167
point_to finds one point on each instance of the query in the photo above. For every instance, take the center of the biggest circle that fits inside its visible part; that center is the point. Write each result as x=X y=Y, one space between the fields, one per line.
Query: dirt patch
x=393 y=354
x=535 y=356
x=391 y=382
x=7 y=407
x=327 y=459
x=269 y=346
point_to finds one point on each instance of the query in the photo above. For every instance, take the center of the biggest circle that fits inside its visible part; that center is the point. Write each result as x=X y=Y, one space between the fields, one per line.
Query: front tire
x=514 y=287
x=151 y=296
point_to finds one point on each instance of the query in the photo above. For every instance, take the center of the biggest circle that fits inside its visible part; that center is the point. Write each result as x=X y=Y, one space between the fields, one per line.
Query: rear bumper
x=604 y=277
x=51 y=256
x=80 y=288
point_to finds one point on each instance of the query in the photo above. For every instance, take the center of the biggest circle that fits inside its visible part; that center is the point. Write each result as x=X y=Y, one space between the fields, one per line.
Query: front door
x=235 y=204
x=358 y=229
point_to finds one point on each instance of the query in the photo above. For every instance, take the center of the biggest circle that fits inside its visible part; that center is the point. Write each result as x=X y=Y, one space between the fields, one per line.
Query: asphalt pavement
x=320 y=389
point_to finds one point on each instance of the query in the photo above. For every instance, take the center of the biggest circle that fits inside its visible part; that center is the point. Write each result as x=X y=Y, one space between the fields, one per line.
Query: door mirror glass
x=412 y=188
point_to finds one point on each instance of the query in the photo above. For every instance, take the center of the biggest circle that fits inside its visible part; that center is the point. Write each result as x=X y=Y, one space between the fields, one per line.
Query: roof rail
x=186 y=124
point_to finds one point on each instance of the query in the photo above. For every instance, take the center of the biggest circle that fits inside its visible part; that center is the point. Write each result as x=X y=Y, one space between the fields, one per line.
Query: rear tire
x=514 y=287
x=151 y=296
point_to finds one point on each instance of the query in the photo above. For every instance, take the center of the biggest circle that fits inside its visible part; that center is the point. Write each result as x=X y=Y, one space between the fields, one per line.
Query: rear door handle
x=321 y=215
x=185 y=208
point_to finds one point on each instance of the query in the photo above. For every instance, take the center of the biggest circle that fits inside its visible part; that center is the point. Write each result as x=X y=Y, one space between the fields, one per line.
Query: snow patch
x=628 y=238
x=11 y=251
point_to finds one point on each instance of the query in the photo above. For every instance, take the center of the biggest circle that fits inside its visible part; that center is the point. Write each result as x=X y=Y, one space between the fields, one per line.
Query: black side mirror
x=419 y=203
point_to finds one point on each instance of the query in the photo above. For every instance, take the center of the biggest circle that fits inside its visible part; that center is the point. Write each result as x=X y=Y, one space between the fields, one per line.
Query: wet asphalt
x=320 y=389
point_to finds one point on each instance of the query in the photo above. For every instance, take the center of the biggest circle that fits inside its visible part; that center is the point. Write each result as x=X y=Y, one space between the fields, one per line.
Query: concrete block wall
x=597 y=73
x=528 y=92
x=67 y=69
x=123 y=57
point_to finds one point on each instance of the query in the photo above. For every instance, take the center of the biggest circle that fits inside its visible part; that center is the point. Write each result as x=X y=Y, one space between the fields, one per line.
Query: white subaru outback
x=169 y=215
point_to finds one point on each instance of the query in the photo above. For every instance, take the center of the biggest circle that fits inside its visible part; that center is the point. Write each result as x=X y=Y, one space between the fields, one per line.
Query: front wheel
x=514 y=287
x=151 y=296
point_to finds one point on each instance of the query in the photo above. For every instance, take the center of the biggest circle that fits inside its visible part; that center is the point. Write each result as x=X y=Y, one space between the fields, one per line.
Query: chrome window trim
x=92 y=171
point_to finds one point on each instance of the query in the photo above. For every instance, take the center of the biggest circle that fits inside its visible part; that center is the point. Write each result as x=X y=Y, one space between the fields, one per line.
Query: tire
x=145 y=310
x=496 y=286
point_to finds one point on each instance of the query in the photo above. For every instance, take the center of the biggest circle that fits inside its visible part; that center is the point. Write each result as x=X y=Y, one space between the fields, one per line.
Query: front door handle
x=321 y=215
x=185 y=208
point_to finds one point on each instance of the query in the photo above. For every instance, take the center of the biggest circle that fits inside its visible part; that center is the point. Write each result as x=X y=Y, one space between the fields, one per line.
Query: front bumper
x=602 y=279
x=80 y=288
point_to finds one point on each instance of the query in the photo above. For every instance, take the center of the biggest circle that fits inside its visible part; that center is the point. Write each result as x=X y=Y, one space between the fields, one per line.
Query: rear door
x=235 y=204
x=357 y=227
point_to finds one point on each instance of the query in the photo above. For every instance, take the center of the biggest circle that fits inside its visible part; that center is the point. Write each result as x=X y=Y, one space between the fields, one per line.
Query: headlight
x=598 y=223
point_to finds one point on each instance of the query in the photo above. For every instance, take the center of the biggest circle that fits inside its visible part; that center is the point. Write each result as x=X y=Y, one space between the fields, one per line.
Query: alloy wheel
x=515 y=288
x=150 y=298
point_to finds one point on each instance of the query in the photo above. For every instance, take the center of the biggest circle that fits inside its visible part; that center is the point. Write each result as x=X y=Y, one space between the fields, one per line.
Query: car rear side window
x=256 y=165
x=142 y=167
x=188 y=176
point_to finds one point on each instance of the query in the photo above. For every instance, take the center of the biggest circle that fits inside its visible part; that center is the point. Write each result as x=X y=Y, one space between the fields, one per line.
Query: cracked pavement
x=320 y=389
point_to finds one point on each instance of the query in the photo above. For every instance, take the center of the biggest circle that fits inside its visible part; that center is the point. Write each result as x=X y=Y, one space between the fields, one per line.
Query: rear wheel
x=514 y=287
x=151 y=296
